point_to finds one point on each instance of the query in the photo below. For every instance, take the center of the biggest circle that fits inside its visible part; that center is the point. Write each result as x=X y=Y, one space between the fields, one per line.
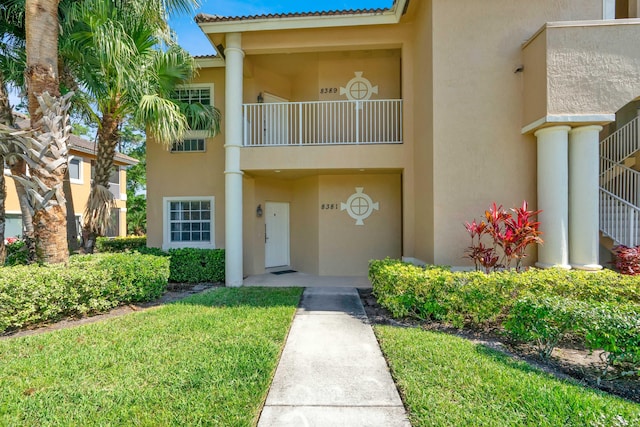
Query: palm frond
x=163 y=119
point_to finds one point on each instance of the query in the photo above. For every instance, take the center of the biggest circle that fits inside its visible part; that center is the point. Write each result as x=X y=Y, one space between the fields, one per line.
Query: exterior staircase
x=620 y=186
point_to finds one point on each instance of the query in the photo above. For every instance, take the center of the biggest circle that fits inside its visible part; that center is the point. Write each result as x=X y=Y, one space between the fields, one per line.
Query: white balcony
x=323 y=123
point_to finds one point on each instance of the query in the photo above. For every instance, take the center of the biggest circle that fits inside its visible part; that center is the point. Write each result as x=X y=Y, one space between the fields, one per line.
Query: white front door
x=276 y=234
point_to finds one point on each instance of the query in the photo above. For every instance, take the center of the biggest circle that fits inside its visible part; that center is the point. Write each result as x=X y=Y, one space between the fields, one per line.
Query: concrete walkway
x=332 y=372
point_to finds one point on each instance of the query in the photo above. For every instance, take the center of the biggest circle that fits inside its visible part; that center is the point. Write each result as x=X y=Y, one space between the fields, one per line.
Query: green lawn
x=449 y=381
x=206 y=360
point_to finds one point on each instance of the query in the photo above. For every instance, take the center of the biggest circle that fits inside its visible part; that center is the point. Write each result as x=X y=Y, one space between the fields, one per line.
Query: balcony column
x=233 y=175
x=553 y=196
x=583 y=197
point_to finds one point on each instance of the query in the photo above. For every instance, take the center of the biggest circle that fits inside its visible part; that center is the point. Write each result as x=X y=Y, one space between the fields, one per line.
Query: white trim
x=391 y=16
x=568 y=119
x=166 y=238
x=80 y=180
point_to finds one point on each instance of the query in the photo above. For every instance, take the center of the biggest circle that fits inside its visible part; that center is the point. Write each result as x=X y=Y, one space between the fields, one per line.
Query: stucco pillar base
x=587 y=267
x=546 y=266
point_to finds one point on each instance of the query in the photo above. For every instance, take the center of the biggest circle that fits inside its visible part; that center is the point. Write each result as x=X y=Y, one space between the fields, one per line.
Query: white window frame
x=166 y=223
x=198 y=134
x=80 y=171
x=192 y=134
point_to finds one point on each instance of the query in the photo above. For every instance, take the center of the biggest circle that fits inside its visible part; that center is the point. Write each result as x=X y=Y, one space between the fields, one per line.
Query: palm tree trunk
x=98 y=210
x=3 y=219
x=6 y=118
x=41 y=24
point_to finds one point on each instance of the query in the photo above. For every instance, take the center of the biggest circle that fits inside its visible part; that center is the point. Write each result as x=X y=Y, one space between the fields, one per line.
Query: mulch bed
x=568 y=361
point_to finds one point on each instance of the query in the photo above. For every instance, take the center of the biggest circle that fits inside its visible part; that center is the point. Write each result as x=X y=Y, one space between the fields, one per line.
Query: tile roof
x=202 y=18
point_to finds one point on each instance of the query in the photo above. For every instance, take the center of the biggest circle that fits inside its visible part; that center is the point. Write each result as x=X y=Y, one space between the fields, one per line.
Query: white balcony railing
x=323 y=123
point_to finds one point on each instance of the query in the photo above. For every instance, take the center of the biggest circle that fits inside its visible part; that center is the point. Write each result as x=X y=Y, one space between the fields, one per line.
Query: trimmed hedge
x=120 y=244
x=189 y=265
x=89 y=284
x=537 y=306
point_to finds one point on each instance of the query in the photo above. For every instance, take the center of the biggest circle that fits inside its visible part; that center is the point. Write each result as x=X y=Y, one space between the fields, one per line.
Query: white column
x=553 y=196
x=584 y=168
x=233 y=175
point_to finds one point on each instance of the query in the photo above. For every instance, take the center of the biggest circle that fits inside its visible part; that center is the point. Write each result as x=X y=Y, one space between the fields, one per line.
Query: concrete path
x=332 y=372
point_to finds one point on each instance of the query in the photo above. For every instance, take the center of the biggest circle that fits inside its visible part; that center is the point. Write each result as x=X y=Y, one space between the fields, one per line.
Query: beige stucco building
x=82 y=155
x=364 y=134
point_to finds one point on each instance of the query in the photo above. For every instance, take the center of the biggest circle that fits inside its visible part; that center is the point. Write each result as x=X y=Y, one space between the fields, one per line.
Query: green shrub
x=134 y=277
x=16 y=253
x=89 y=284
x=545 y=320
x=189 y=265
x=537 y=306
x=120 y=244
x=615 y=329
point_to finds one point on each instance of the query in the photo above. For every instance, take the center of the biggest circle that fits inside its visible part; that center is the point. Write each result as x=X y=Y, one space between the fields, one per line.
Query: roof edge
x=326 y=19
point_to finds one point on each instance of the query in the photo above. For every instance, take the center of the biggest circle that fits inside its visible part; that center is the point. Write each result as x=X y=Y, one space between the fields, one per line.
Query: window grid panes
x=193 y=95
x=188 y=145
x=190 y=221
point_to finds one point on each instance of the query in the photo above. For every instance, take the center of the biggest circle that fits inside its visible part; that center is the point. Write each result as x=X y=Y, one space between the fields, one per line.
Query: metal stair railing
x=622 y=143
x=619 y=219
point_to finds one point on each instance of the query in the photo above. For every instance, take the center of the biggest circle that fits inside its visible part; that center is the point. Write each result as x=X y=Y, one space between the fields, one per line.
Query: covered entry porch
x=321 y=222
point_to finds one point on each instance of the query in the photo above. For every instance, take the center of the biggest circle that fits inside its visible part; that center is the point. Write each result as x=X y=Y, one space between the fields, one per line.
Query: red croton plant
x=509 y=234
x=627 y=259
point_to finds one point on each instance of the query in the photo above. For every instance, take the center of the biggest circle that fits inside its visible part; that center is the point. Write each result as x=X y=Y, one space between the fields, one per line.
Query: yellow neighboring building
x=82 y=155
x=363 y=134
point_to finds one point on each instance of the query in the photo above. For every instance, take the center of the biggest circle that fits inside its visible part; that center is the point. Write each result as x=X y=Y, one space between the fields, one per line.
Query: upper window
x=188 y=222
x=188 y=145
x=192 y=94
x=114 y=180
x=194 y=140
x=75 y=170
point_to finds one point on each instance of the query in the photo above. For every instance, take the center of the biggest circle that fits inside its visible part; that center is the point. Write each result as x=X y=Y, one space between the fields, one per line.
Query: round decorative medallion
x=359 y=206
x=358 y=88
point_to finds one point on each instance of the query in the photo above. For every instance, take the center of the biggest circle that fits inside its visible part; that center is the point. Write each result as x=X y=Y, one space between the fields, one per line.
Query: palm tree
x=11 y=53
x=129 y=46
x=44 y=147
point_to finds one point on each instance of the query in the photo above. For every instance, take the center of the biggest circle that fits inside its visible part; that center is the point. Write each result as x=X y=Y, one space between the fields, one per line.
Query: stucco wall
x=305 y=246
x=421 y=116
x=593 y=69
x=79 y=192
x=481 y=154
x=188 y=174
x=346 y=248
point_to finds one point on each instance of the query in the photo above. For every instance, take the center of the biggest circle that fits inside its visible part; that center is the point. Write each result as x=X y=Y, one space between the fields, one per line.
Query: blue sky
x=191 y=38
